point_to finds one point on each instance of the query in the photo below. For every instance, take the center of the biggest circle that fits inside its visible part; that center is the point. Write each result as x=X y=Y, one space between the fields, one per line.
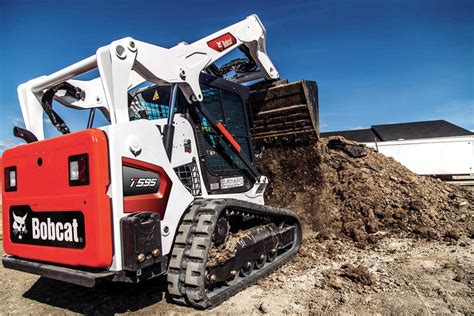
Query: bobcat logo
x=19 y=227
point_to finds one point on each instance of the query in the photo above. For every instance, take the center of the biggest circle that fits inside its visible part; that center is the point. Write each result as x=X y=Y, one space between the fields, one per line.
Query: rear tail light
x=10 y=179
x=79 y=170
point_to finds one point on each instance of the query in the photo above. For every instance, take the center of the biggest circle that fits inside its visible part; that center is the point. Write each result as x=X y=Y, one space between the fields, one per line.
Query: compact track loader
x=168 y=186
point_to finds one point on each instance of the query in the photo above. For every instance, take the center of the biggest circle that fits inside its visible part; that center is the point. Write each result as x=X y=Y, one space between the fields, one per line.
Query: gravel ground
x=407 y=276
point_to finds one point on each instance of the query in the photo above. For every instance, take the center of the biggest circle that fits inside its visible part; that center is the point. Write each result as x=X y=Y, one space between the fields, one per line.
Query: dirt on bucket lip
x=344 y=190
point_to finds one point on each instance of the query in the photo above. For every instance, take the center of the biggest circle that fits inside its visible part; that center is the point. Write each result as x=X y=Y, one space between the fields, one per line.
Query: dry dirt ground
x=377 y=239
x=405 y=277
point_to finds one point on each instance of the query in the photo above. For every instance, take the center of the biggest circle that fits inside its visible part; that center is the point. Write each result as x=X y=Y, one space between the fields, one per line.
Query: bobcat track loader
x=168 y=186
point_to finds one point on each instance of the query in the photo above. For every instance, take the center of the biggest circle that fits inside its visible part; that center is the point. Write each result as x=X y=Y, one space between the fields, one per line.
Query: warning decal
x=156 y=96
x=234 y=182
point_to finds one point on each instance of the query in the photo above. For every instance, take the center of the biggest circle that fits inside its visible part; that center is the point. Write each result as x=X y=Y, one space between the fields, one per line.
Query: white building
x=435 y=148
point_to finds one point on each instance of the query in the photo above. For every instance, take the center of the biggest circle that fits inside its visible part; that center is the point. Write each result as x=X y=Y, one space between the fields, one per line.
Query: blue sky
x=374 y=61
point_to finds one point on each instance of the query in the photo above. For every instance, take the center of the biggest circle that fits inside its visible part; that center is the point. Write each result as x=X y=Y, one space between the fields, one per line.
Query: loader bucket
x=284 y=114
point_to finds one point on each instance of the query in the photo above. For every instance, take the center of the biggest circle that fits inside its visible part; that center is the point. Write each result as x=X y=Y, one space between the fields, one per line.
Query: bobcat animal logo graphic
x=19 y=227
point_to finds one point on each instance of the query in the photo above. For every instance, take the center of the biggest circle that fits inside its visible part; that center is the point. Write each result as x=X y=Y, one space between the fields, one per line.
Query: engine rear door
x=58 y=209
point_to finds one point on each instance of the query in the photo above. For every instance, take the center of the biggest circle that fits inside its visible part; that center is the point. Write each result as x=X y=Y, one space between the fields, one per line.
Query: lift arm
x=127 y=62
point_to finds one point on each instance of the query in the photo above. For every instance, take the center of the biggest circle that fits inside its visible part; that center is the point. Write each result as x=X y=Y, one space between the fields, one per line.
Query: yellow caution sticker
x=156 y=96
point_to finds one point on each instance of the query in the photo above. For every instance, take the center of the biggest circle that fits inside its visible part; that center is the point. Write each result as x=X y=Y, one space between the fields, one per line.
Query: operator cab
x=225 y=101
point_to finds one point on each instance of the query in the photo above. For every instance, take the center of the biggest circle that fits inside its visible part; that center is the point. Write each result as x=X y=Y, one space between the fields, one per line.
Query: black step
x=70 y=275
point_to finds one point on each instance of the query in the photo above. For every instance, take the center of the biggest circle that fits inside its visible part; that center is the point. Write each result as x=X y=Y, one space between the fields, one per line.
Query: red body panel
x=46 y=188
x=155 y=202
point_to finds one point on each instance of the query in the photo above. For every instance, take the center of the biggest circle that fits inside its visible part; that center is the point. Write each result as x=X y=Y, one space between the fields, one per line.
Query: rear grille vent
x=189 y=176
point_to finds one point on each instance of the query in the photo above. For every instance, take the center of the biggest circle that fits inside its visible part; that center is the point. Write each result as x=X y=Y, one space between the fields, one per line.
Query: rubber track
x=187 y=267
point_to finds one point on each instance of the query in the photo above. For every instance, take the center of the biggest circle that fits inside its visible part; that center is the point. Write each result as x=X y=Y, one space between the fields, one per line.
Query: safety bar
x=65 y=74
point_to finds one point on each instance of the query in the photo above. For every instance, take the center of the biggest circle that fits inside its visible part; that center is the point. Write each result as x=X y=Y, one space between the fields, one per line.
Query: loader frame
x=127 y=62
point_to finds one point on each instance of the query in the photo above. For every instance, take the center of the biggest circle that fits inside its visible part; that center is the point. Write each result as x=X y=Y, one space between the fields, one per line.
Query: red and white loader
x=168 y=186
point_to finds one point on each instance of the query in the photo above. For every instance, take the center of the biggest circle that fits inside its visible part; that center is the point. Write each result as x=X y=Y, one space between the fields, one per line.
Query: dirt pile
x=344 y=190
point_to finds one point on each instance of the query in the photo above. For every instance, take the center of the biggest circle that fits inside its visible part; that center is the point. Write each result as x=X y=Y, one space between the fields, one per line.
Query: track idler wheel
x=260 y=263
x=247 y=269
x=272 y=255
x=233 y=279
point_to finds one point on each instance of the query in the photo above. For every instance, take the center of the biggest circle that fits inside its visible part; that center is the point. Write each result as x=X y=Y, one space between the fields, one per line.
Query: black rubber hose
x=24 y=134
x=47 y=103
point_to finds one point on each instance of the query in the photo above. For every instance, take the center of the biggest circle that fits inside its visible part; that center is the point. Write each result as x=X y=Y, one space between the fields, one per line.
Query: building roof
x=417 y=130
x=412 y=130
x=357 y=135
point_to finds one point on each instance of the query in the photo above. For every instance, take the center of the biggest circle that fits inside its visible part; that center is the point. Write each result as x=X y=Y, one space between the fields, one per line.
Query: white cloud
x=16 y=121
x=323 y=127
x=5 y=144
x=358 y=127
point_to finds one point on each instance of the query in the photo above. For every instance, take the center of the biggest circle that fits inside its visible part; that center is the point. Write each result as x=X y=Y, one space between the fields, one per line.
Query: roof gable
x=411 y=130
